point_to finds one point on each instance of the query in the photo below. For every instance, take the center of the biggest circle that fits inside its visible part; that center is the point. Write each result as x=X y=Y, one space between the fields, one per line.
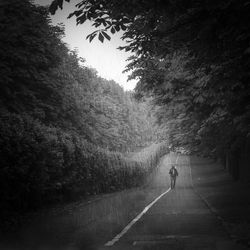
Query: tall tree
x=192 y=56
x=59 y=121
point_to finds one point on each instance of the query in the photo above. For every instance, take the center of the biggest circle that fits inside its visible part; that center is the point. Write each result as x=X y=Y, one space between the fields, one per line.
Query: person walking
x=173 y=174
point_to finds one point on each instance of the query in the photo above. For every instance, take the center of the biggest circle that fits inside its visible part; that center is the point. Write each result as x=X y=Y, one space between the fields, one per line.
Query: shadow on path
x=230 y=200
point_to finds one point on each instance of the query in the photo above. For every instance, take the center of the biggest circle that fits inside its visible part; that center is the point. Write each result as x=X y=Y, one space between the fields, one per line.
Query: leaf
x=104 y=23
x=81 y=19
x=79 y=5
x=92 y=37
x=106 y=35
x=96 y=24
x=60 y=3
x=91 y=34
x=71 y=14
x=123 y=27
x=112 y=30
x=54 y=6
x=117 y=28
x=101 y=37
x=88 y=36
x=75 y=13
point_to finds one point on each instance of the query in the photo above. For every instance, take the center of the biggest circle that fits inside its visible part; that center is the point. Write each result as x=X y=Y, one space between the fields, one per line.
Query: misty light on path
x=104 y=57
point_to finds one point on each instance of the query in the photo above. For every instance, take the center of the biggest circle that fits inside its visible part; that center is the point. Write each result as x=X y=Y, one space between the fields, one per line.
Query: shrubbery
x=59 y=121
x=41 y=164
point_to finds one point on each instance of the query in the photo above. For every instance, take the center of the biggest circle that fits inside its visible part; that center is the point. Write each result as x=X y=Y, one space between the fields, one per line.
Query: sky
x=104 y=57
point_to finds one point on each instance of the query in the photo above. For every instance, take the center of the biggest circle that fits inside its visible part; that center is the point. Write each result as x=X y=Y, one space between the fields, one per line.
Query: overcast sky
x=104 y=57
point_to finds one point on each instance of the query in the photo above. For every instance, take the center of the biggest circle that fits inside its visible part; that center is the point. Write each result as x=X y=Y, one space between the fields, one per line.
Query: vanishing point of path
x=153 y=217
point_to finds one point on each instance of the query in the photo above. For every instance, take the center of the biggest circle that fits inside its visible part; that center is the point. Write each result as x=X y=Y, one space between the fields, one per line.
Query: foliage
x=63 y=129
x=29 y=49
x=192 y=57
x=42 y=78
x=41 y=164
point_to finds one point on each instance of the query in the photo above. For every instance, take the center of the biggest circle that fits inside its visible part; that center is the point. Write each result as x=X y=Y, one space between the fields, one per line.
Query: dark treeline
x=63 y=129
x=193 y=59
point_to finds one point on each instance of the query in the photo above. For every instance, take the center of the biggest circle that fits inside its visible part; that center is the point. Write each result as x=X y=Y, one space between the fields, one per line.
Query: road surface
x=153 y=217
x=178 y=220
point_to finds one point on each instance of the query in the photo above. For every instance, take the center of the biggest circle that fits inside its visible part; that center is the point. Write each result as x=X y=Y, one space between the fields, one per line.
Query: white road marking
x=118 y=236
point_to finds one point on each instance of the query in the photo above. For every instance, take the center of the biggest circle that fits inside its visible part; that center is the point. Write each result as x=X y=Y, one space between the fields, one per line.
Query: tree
x=208 y=89
x=30 y=50
x=63 y=129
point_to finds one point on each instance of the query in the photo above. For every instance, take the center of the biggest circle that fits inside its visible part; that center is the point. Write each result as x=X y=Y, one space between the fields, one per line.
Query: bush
x=41 y=164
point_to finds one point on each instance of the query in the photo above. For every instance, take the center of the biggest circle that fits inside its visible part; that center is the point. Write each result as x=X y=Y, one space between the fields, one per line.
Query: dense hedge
x=57 y=116
x=41 y=164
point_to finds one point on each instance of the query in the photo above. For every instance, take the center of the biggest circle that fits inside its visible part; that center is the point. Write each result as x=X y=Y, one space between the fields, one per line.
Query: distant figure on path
x=173 y=174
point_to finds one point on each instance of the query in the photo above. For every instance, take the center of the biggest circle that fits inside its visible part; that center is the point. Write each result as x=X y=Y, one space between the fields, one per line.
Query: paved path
x=177 y=220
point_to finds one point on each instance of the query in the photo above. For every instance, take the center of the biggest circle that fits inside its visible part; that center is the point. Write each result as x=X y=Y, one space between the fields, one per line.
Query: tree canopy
x=192 y=57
